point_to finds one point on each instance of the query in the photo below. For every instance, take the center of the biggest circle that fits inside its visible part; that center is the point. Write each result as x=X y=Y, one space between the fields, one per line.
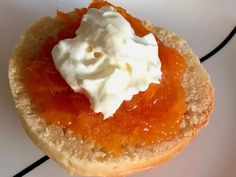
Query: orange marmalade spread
x=150 y=117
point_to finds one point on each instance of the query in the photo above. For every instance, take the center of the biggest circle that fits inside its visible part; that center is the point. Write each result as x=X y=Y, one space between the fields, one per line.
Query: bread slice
x=81 y=157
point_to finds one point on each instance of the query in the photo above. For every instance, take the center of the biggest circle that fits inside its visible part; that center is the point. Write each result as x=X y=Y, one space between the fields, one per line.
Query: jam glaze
x=150 y=117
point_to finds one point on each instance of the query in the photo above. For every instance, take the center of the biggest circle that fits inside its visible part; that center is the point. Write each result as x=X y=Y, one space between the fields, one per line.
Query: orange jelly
x=151 y=117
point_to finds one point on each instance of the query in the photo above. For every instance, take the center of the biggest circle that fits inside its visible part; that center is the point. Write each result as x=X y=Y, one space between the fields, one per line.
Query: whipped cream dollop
x=107 y=61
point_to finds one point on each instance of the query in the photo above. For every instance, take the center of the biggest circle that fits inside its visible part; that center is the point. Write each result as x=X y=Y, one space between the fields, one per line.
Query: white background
x=204 y=24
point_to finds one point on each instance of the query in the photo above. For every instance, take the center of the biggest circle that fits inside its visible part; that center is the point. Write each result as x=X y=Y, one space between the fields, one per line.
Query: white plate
x=204 y=24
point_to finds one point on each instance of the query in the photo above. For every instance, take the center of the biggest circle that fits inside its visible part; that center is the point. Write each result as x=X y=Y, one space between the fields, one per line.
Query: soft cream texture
x=107 y=61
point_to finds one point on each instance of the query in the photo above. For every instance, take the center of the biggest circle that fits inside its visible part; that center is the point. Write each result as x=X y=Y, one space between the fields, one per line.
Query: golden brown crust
x=85 y=158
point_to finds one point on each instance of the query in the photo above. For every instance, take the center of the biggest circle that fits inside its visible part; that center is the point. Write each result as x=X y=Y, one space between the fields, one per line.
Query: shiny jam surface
x=149 y=118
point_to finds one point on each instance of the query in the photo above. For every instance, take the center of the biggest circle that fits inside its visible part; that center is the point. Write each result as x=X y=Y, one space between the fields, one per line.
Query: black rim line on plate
x=204 y=58
x=220 y=46
x=32 y=166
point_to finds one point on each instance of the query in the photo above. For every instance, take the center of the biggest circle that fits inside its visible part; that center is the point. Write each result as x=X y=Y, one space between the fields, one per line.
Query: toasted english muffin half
x=84 y=157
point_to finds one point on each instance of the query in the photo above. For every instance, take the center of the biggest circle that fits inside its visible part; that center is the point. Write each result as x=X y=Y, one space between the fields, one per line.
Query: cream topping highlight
x=107 y=61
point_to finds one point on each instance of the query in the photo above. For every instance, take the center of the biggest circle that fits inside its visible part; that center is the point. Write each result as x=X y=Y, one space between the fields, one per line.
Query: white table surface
x=204 y=24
